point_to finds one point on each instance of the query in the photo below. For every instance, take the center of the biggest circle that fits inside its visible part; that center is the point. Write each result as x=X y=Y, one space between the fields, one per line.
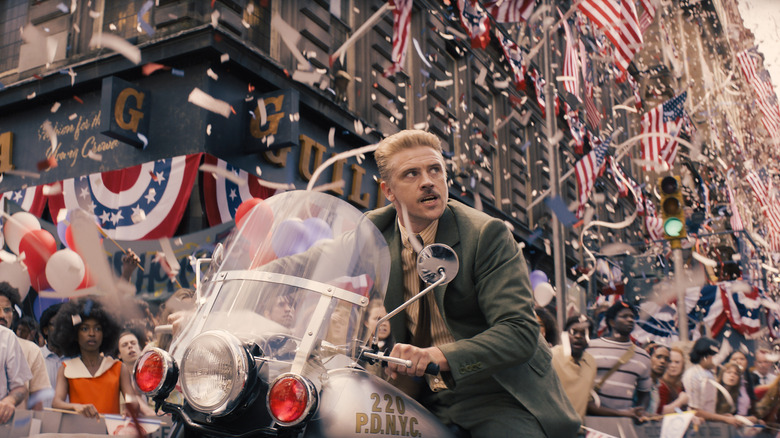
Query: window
x=13 y=16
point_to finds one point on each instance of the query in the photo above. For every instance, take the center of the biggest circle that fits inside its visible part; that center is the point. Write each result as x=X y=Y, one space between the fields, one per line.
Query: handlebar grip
x=432 y=369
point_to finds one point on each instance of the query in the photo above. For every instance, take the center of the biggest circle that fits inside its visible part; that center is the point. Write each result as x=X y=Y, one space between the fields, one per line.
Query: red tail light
x=155 y=373
x=291 y=399
x=150 y=372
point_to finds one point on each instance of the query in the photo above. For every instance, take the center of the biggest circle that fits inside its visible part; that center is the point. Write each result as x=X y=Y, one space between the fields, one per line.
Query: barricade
x=625 y=427
x=32 y=423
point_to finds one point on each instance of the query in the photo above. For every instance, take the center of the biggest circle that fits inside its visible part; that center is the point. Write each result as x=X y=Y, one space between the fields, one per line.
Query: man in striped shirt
x=625 y=392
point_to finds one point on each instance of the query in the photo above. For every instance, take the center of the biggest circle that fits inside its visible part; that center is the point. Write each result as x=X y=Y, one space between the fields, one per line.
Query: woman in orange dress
x=90 y=380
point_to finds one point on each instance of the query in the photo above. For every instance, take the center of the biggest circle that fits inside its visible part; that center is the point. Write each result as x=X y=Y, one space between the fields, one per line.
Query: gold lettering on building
x=6 y=147
x=305 y=165
x=272 y=119
x=355 y=196
x=277 y=157
x=135 y=114
x=338 y=175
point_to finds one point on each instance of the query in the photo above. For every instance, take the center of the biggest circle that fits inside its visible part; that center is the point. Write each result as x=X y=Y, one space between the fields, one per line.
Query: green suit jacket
x=488 y=308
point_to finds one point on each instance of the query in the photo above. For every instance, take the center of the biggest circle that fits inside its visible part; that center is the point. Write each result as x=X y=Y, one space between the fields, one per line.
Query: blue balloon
x=537 y=277
x=290 y=237
x=62 y=227
x=41 y=303
x=317 y=229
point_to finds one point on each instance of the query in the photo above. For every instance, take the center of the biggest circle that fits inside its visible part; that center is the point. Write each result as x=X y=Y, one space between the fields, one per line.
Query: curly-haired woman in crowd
x=85 y=332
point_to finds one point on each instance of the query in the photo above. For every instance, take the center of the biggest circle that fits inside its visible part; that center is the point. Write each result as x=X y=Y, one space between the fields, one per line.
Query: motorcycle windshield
x=302 y=265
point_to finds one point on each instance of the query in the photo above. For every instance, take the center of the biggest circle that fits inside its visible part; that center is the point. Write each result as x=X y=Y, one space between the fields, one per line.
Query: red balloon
x=37 y=246
x=247 y=206
x=69 y=238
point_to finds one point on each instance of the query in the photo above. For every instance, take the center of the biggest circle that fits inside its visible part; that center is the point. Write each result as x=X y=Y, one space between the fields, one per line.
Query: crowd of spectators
x=79 y=355
x=614 y=376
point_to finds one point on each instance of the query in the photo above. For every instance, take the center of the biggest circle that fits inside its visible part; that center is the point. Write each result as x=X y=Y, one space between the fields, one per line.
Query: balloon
x=62 y=228
x=317 y=229
x=87 y=281
x=537 y=277
x=249 y=205
x=42 y=303
x=38 y=246
x=16 y=275
x=543 y=294
x=69 y=237
x=17 y=226
x=290 y=237
x=65 y=271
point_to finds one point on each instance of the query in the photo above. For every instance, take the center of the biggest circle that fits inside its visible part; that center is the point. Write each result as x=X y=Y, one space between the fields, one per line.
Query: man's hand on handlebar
x=420 y=358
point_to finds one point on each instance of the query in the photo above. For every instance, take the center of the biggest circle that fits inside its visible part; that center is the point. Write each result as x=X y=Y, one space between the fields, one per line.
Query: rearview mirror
x=437 y=260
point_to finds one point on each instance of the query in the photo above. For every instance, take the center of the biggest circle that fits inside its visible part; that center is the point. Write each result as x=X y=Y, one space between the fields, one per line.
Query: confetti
x=205 y=101
x=212 y=75
x=290 y=38
x=55 y=107
x=118 y=44
x=224 y=58
x=227 y=174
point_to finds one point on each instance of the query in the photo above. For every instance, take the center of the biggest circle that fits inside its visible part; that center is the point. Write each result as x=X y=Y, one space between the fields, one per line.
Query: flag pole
x=558 y=248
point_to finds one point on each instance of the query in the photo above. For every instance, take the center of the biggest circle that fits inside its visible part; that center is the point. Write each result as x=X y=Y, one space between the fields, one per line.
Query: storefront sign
x=125 y=112
x=275 y=125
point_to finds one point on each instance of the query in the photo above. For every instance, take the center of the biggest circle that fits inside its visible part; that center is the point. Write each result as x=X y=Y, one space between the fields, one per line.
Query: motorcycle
x=278 y=344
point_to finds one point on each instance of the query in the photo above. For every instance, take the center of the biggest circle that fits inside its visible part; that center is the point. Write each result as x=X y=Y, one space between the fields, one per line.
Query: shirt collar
x=428 y=234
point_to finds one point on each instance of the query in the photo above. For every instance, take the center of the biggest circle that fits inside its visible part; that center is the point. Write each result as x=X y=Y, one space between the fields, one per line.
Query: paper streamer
x=200 y=98
x=119 y=45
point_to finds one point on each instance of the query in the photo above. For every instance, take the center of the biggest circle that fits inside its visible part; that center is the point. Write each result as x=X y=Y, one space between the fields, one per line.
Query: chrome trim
x=303 y=283
x=238 y=381
x=311 y=402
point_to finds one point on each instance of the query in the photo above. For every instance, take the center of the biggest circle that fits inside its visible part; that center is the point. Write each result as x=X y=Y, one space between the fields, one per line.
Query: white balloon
x=16 y=275
x=65 y=271
x=17 y=226
x=543 y=294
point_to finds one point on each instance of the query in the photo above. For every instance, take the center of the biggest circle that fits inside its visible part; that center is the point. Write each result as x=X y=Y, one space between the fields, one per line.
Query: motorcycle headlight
x=214 y=372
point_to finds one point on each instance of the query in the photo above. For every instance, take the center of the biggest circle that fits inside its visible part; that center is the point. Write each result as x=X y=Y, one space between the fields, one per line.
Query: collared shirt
x=17 y=372
x=53 y=363
x=702 y=394
x=576 y=378
x=440 y=334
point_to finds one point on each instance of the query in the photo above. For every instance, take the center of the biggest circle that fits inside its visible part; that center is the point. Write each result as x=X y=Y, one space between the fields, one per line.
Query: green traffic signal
x=673 y=227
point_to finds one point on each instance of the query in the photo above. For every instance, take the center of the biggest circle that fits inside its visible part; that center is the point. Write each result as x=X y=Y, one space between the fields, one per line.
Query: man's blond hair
x=399 y=141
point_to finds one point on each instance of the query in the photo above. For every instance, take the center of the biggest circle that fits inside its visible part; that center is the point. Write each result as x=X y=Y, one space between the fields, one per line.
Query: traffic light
x=672 y=210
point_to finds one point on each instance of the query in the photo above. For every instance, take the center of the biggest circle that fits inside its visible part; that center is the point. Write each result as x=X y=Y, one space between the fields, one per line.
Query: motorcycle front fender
x=356 y=403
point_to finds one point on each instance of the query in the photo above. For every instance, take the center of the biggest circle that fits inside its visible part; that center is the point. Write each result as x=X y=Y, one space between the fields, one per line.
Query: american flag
x=733 y=138
x=736 y=218
x=476 y=22
x=748 y=63
x=588 y=169
x=765 y=96
x=510 y=11
x=626 y=184
x=576 y=128
x=653 y=223
x=514 y=55
x=591 y=112
x=768 y=206
x=647 y=15
x=635 y=88
x=402 y=24
x=667 y=118
x=539 y=84
x=572 y=83
x=618 y=20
